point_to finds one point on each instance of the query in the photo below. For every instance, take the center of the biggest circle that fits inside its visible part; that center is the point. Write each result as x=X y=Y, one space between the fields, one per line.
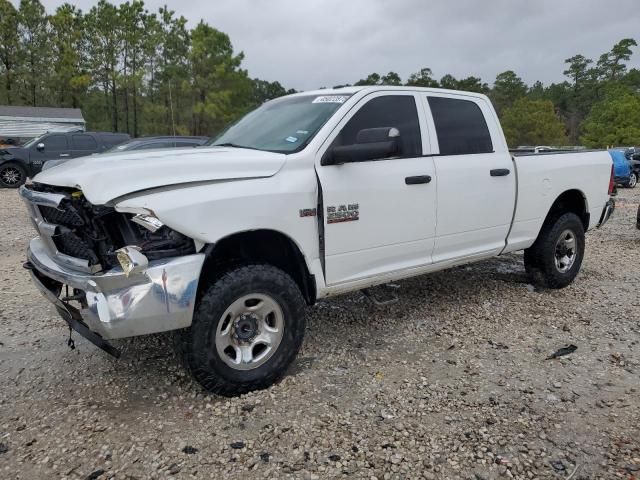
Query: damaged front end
x=125 y=277
x=88 y=237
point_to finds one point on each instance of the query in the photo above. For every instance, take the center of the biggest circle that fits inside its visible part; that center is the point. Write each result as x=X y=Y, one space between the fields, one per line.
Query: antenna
x=173 y=123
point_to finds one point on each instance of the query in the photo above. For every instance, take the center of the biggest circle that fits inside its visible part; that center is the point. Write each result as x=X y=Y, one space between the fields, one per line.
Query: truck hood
x=12 y=152
x=103 y=178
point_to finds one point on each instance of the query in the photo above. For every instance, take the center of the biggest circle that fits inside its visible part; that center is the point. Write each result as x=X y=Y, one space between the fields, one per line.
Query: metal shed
x=29 y=122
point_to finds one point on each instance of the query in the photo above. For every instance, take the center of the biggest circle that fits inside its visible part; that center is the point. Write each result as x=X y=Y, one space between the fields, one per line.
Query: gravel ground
x=450 y=382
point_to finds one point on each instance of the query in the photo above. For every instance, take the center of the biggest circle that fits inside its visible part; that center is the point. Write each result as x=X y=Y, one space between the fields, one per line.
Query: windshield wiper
x=235 y=145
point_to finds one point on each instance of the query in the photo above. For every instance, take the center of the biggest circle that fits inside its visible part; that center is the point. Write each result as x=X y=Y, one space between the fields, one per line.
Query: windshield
x=33 y=141
x=284 y=125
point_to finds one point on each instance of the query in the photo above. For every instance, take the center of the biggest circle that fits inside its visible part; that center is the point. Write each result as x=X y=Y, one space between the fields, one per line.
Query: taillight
x=612 y=183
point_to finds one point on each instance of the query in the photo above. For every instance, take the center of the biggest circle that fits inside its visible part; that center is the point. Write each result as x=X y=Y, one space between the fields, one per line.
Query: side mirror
x=40 y=147
x=371 y=144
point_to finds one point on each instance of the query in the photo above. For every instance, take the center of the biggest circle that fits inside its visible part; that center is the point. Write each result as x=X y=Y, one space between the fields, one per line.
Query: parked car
x=147 y=143
x=633 y=156
x=624 y=174
x=18 y=163
x=311 y=195
x=144 y=143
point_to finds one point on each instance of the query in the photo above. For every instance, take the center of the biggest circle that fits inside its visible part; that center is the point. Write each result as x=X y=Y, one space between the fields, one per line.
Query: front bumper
x=607 y=211
x=160 y=298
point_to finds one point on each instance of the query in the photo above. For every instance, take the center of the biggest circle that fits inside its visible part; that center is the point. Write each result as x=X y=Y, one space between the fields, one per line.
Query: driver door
x=49 y=148
x=379 y=213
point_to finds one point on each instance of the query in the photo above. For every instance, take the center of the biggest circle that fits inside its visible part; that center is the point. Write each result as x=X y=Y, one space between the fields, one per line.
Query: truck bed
x=543 y=177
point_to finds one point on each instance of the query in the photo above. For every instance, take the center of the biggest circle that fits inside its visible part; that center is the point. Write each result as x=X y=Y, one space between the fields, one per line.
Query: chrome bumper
x=158 y=299
x=608 y=210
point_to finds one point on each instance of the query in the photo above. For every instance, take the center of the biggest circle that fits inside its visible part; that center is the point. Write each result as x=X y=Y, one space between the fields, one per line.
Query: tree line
x=128 y=69
x=145 y=73
x=597 y=106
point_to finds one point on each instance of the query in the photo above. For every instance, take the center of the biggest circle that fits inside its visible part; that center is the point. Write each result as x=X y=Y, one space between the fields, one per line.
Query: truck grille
x=71 y=244
x=67 y=218
x=60 y=216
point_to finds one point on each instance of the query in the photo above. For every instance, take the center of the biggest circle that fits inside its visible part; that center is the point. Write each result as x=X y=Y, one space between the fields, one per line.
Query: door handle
x=418 y=179
x=500 y=172
x=64 y=154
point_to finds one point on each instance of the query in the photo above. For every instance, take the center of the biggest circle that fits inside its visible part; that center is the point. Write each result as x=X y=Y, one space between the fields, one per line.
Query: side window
x=460 y=126
x=84 y=142
x=397 y=111
x=55 y=142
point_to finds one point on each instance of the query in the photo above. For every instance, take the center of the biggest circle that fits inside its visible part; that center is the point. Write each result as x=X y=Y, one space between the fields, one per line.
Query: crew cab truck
x=310 y=195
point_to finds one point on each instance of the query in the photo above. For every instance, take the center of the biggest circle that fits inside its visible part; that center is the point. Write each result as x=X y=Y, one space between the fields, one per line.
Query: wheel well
x=570 y=201
x=258 y=246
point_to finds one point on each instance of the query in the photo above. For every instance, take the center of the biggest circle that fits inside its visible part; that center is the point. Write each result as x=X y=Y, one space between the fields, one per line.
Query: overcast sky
x=313 y=43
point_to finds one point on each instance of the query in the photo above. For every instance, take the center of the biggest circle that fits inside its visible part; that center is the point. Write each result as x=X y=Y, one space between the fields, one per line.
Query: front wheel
x=555 y=258
x=12 y=175
x=633 y=180
x=247 y=328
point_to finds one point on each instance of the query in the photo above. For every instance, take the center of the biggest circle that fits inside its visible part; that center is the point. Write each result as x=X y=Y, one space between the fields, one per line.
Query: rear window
x=460 y=126
x=84 y=142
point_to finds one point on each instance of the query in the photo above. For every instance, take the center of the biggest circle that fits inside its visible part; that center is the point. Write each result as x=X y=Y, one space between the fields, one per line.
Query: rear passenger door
x=476 y=177
x=83 y=144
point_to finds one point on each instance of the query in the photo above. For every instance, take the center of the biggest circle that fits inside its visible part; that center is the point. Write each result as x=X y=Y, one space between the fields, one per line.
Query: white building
x=28 y=122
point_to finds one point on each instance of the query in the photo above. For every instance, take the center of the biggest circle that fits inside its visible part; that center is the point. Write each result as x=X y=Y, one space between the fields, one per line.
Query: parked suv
x=18 y=163
x=148 y=143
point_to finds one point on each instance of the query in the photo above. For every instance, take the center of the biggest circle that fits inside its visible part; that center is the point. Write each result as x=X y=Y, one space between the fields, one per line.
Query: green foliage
x=391 y=78
x=610 y=66
x=469 y=84
x=33 y=31
x=9 y=48
x=615 y=120
x=532 y=122
x=423 y=78
x=507 y=88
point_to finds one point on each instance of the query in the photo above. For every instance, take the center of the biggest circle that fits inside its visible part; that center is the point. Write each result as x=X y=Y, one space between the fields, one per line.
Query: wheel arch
x=258 y=246
x=573 y=201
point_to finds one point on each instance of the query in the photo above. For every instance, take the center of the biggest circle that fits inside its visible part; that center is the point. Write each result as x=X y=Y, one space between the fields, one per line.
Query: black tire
x=12 y=175
x=540 y=259
x=198 y=343
x=633 y=180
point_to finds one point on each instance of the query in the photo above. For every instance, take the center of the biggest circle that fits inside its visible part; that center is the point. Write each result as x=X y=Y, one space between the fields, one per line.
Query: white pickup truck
x=310 y=195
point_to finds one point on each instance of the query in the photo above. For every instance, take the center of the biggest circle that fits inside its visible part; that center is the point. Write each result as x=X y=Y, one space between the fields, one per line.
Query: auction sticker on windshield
x=331 y=99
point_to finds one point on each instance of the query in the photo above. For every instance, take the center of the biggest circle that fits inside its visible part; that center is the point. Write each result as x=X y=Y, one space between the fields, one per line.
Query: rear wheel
x=12 y=175
x=555 y=258
x=633 y=180
x=247 y=328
